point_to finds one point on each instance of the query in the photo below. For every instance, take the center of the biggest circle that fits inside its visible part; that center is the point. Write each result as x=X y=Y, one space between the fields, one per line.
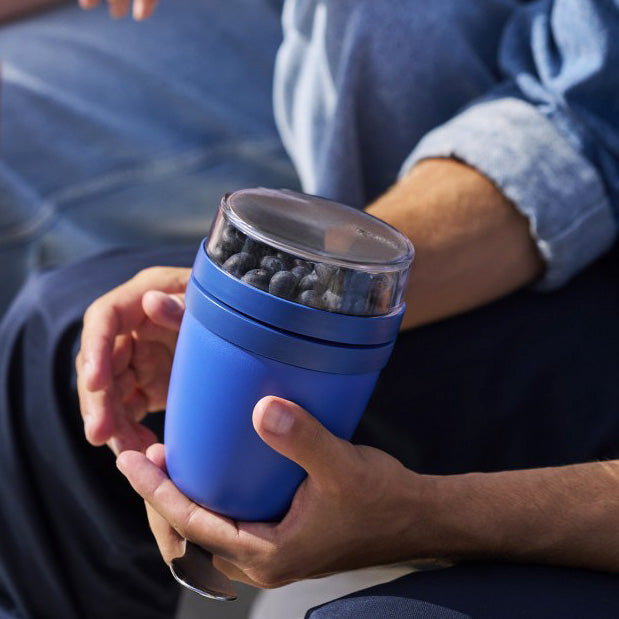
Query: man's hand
x=123 y=368
x=142 y=9
x=352 y=510
x=358 y=506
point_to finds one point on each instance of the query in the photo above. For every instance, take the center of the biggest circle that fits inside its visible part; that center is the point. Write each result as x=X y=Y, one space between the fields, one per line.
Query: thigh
x=75 y=542
x=528 y=381
x=484 y=591
x=117 y=133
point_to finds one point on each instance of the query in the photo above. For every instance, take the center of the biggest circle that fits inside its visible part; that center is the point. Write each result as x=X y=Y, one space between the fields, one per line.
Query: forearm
x=561 y=515
x=472 y=246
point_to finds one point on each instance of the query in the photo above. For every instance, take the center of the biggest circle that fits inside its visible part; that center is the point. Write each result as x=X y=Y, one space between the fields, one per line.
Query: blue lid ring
x=292 y=317
x=282 y=346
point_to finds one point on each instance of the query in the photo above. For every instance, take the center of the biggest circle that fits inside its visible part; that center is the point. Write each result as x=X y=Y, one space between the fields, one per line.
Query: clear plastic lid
x=311 y=251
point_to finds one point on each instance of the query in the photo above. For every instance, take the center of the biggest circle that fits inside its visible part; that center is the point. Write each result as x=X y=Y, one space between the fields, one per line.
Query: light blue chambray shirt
x=526 y=92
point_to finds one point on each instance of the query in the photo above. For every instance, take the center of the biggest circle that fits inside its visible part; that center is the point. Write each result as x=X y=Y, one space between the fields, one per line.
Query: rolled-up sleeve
x=548 y=135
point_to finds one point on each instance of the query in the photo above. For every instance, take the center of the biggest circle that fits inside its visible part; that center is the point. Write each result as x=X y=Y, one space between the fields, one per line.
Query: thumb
x=299 y=436
x=165 y=310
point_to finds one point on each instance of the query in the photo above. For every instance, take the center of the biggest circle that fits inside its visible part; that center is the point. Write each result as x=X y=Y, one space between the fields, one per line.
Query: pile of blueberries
x=317 y=285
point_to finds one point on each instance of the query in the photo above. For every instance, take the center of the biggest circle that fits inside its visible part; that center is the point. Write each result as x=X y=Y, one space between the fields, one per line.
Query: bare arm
x=379 y=512
x=558 y=515
x=472 y=245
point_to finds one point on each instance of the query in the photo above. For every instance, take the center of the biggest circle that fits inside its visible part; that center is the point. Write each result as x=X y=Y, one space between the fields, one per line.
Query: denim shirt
x=525 y=92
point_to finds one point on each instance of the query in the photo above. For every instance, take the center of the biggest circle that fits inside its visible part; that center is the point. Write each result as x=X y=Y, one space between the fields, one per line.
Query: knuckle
x=268 y=577
x=269 y=567
x=90 y=310
x=147 y=274
x=190 y=524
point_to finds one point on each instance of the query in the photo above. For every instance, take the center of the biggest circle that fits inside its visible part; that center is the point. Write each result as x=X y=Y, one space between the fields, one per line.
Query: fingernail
x=277 y=419
x=139 y=10
x=120 y=463
x=173 y=305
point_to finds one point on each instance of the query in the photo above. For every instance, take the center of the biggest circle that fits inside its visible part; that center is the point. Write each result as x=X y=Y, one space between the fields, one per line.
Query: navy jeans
x=530 y=380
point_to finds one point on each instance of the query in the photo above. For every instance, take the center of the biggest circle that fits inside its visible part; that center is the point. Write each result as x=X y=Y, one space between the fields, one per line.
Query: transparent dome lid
x=311 y=251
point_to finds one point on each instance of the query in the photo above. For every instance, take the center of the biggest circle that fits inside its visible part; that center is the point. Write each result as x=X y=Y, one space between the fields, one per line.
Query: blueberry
x=239 y=264
x=231 y=239
x=331 y=301
x=219 y=254
x=259 y=278
x=354 y=305
x=325 y=272
x=359 y=283
x=299 y=262
x=310 y=282
x=255 y=248
x=283 y=284
x=301 y=270
x=310 y=298
x=286 y=259
x=272 y=264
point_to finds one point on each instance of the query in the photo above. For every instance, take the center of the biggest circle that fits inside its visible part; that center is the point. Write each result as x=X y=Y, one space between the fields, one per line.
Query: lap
x=116 y=133
x=75 y=543
x=523 y=382
x=527 y=381
x=484 y=591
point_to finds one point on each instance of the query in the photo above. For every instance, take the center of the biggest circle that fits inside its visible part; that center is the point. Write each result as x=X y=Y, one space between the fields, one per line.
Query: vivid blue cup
x=239 y=343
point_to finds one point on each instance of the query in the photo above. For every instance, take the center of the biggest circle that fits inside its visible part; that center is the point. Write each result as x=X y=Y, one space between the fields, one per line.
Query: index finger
x=217 y=533
x=118 y=312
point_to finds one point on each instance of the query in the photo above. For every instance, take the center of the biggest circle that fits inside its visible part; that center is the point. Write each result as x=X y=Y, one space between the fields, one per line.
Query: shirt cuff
x=514 y=145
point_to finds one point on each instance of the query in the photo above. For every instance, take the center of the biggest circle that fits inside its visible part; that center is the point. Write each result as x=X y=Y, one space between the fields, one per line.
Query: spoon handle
x=195 y=571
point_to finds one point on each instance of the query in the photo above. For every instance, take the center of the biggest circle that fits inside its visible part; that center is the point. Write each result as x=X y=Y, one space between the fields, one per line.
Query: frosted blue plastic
x=276 y=344
x=213 y=453
x=226 y=361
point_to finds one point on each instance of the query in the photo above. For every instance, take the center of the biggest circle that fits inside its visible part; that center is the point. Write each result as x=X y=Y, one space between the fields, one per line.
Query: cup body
x=213 y=453
x=225 y=361
x=293 y=296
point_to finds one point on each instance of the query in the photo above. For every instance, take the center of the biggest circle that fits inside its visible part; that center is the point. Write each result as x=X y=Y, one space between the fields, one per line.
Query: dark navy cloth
x=486 y=591
x=74 y=541
x=530 y=380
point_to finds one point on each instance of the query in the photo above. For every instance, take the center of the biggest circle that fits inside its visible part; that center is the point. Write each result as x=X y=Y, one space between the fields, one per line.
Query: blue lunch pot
x=291 y=295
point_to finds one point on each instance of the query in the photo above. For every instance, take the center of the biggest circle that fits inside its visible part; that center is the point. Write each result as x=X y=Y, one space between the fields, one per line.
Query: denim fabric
x=549 y=182
x=375 y=78
x=358 y=83
x=118 y=133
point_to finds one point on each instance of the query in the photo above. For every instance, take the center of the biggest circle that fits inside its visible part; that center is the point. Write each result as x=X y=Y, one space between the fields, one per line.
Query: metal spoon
x=195 y=571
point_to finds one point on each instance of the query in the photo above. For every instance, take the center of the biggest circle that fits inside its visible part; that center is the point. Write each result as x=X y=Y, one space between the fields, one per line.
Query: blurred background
x=117 y=133
x=122 y=134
